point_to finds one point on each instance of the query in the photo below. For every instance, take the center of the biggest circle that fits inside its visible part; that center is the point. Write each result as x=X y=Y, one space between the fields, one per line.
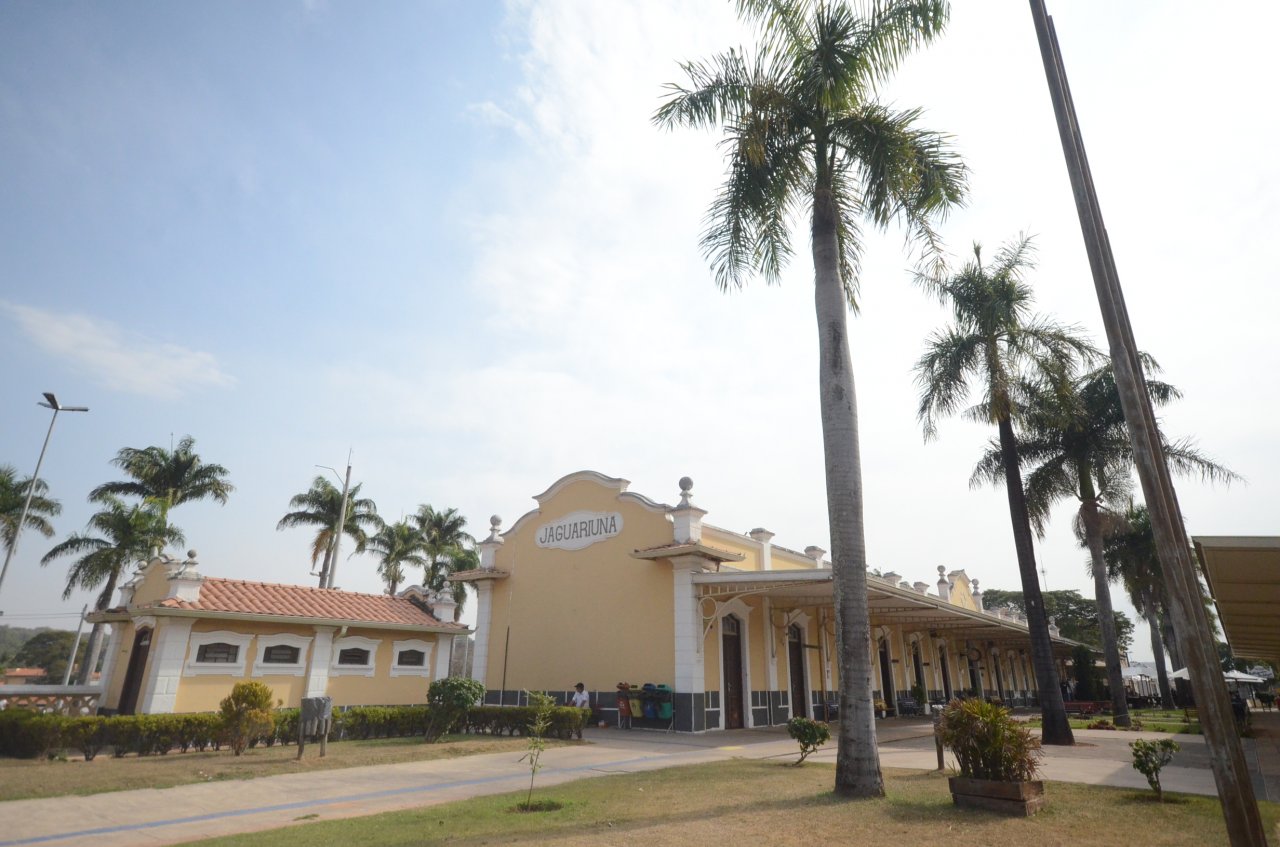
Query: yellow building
x=180 y=641
x=601 y=585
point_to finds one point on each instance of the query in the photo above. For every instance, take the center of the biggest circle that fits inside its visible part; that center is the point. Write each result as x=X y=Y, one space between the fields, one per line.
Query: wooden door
x=795 y=658
x=731 y=640
x=886 y=676
x=133 y=676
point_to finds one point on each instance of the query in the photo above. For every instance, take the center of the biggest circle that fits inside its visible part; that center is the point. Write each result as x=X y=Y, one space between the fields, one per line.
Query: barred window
x=281 y=654
x=354 y=656
x=219 y=652
x=412 y=658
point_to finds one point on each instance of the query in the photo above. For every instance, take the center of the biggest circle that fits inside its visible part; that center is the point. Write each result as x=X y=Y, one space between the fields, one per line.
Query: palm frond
x=942 y=373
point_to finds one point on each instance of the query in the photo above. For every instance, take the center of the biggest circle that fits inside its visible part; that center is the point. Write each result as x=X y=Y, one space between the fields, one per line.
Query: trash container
x=649 y=694
x=665 y=693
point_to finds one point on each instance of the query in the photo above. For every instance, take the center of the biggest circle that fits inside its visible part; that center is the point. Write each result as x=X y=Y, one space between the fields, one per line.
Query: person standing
x=581 y=700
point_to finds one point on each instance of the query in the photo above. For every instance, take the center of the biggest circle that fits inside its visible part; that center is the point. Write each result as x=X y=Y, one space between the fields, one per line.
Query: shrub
x=25 y=734
x=809 y=734
x=988 y=743
x=566 y=721
x=86 y=734
x=449 y=699
x=246 y=714
x=1150 y=757
x=1101 y=723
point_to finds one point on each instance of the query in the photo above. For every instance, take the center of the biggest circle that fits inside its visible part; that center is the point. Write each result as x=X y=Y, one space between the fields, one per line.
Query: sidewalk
x=188 y=812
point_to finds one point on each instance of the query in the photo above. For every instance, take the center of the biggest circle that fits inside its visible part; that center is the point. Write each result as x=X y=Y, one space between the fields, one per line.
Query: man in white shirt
x=581 y=700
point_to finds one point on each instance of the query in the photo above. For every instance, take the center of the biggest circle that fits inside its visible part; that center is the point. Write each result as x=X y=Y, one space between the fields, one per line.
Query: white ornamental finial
x=686 y=489
x=495 y=527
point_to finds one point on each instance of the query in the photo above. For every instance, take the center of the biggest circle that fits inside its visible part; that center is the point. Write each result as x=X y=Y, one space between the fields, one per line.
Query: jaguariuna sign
x=577 y=530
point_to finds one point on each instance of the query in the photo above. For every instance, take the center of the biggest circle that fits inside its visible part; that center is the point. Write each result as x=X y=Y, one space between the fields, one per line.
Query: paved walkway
x=188 y=812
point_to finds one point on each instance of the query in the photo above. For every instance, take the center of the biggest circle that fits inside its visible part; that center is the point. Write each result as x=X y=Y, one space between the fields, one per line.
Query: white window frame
x=398 y=669
x=354 y=642
x=282 y=639
x=200 y=639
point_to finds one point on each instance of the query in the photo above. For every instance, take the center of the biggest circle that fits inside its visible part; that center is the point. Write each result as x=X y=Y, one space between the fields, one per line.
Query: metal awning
x=888 y=604
x=1244 y=578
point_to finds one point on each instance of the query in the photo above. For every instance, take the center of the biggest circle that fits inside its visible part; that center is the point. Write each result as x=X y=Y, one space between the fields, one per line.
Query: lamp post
x=52 y=403
x=326 y=578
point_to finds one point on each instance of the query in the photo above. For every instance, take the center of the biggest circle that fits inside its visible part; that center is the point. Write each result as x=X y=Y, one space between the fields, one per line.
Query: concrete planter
x=1021 y=799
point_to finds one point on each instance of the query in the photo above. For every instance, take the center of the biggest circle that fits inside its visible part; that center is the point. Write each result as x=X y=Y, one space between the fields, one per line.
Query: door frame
x=135 y=670
x=742 y=612
x=804 y=673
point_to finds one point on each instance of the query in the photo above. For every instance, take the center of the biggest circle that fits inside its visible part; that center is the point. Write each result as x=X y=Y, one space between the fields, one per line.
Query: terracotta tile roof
x=269 y=598
x=23 y=672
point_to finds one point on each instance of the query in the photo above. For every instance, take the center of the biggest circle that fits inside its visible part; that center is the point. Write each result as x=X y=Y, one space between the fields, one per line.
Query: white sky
x=454 y=243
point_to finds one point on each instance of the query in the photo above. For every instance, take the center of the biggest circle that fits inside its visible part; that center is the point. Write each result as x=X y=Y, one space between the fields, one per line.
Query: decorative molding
x=616 y=483
x=263 y=668
x=222 y=636
x=411 y=670
x=359 y=643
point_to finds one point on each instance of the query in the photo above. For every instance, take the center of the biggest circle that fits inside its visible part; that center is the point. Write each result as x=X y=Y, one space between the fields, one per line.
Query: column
x=444 y=655
x=321 y=655
x=690 y=677
x=168 y=654
x=484 y=623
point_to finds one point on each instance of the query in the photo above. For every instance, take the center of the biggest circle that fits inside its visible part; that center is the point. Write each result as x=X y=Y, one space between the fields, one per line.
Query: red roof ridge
x=311 y=588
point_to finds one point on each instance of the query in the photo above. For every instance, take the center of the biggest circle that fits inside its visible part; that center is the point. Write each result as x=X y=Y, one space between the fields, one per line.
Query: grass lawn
x=1153 y=720
x=22 y=779
x=747 y=801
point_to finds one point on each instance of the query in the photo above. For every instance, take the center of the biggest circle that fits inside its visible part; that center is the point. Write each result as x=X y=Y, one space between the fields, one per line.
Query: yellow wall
x=596 y=615
x=382 y=689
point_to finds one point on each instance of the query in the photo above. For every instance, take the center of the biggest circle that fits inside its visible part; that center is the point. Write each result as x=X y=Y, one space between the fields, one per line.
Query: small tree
x=1150 y=757
x=448 y=700
x=809 y=734
x=246 y=714
x=988 y=743
x=543 y=706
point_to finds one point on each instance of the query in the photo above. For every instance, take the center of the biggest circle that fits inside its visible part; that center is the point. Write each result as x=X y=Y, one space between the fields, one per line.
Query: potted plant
x=882 y=709
x=997 y=756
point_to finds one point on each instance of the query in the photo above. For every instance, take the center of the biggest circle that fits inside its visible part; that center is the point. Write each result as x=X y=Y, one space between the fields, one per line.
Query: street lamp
x=35 y=477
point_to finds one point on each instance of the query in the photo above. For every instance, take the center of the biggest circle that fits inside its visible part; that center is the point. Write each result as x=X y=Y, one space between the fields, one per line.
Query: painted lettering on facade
x=577 y=530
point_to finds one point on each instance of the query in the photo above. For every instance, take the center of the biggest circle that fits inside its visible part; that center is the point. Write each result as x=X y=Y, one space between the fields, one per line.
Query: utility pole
x=1182 y=582
x=75 y=646
x=342 y=521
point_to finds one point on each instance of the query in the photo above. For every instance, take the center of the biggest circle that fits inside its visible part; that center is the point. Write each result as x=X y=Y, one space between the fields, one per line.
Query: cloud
x=116 y=359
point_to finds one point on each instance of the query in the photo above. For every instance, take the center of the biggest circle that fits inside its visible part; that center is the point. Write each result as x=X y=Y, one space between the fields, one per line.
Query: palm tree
x=449 y=549
x=13 y=493
x=124 y=534
x=1130 y=553
x=804 y=133
x=397 y=544
x=996 y=342
x=1073 y=436
x=320 y=506
x=167 y=478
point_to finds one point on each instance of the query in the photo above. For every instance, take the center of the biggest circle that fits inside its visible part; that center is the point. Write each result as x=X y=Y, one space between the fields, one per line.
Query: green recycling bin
x=666 y=695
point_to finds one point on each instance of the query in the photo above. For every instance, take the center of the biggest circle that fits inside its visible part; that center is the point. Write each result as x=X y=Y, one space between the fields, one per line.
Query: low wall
x=53 y=699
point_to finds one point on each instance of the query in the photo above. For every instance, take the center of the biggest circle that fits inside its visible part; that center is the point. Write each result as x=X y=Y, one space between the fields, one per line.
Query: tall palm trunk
x=1157 y=651
x=1102 y=594
x=1170 y=642
x=94 y=645
x=1053 y=712
x=857 y=759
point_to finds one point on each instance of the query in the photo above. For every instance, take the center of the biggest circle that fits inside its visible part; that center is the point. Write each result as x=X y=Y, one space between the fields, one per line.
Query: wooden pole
x=1191 y=625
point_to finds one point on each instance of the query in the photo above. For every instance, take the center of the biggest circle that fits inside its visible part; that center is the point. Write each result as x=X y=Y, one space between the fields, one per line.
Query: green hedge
x=28 y=735
x=514 y=720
